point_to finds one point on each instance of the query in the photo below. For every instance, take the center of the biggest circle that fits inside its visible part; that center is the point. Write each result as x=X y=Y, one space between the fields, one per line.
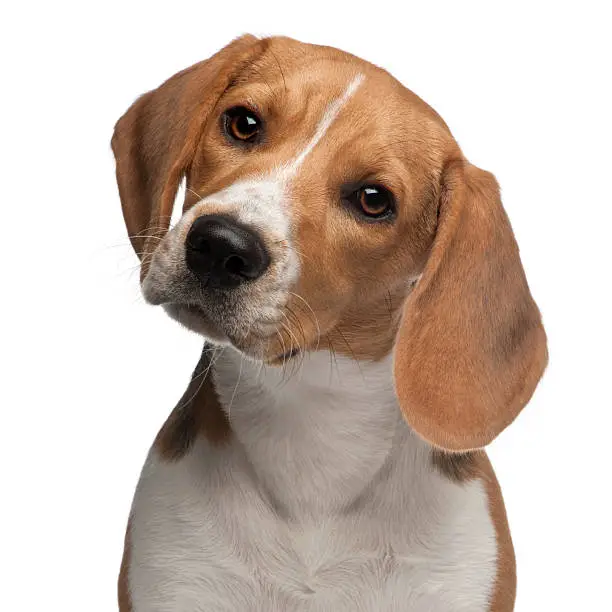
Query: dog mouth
x=255 y=345
x=195 y=319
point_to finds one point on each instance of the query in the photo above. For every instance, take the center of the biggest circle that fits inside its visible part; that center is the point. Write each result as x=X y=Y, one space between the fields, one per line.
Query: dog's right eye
x=242 y=125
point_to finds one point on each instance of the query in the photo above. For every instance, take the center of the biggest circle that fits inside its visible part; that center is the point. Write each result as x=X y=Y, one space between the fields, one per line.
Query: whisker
x=300 y=327
x=316 y=320
x=282 y=341
x=352 y=352
x=332 y=354
x=160 y=238
x=300 y=253
x=195 y=193
x=292 y=337
x=229 y=408
x=201 y=375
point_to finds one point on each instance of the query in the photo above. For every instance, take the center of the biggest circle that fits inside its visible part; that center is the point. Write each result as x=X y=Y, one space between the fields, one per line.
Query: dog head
x=329 y=208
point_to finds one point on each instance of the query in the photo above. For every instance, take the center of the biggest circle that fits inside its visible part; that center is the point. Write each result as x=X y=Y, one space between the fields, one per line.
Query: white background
x=90 y=372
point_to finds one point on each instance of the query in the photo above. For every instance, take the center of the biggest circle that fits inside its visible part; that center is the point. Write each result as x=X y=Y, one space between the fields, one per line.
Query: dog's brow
x=331 y=112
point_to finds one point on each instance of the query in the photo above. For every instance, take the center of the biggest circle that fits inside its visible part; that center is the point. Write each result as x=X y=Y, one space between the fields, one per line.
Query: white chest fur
x=323 y=501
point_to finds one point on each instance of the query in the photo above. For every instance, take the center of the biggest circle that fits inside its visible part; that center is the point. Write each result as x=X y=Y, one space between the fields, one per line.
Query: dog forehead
x=294 y=83
x=308 y=68
x=299 y=79
x=289 y=59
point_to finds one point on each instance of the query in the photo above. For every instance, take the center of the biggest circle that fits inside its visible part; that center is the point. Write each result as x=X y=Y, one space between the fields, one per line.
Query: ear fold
x=154 y=142
x=471 y=346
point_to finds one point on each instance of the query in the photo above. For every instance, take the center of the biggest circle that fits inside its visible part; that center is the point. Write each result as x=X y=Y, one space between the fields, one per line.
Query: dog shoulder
x=475 y=466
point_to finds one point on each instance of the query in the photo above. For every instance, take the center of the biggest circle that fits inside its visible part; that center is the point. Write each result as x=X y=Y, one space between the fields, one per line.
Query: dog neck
x=317 y=432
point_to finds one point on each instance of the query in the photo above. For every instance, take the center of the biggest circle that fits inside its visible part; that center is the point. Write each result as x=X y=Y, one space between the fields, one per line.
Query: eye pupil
x=242 y=124
x=246 y=123
x=374 y=201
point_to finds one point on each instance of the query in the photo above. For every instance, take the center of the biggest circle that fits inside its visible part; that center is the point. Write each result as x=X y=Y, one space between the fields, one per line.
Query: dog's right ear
x=155 y=140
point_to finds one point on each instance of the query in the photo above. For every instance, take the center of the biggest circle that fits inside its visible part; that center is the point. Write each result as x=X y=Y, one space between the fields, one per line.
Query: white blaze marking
x=332 y=111
x=265 y=196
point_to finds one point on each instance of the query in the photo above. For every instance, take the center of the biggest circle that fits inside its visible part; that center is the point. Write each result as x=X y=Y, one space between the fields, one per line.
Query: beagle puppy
x=369 y=329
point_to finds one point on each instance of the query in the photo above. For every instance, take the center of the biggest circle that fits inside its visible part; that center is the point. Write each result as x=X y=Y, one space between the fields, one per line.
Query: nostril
x=235 y=264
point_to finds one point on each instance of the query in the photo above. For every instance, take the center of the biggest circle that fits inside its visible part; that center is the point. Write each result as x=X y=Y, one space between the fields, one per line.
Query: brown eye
x=242 y=124
x=374 y=201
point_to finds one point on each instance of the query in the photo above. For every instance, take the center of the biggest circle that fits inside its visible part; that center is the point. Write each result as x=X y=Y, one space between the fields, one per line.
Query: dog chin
x=196 y=320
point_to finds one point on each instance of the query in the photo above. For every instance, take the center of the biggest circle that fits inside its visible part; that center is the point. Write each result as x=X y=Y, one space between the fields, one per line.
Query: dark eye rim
x=351 y=197
x=232 y=112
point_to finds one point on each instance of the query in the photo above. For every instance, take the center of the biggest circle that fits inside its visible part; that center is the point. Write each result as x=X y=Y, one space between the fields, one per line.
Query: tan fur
x=504 y=594
x=471 y=347
x=462 y=468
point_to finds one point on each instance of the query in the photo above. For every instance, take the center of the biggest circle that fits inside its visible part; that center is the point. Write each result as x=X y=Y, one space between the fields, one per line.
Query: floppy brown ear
x=471 y=346
x=155 y=140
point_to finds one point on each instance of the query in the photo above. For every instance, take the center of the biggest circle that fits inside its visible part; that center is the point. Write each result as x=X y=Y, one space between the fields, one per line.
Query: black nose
x=222 y=253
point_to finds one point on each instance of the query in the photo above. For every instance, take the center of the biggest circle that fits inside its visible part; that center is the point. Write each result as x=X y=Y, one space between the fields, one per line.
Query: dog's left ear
x=155 y=140
x=471 y=347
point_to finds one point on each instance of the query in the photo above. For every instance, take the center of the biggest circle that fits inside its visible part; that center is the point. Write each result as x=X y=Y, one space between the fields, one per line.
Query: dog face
x=319 y=191
x=324 y=166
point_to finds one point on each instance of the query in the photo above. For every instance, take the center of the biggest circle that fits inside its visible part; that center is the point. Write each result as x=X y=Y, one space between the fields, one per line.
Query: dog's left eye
x=372 y=201
x=242 y=124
